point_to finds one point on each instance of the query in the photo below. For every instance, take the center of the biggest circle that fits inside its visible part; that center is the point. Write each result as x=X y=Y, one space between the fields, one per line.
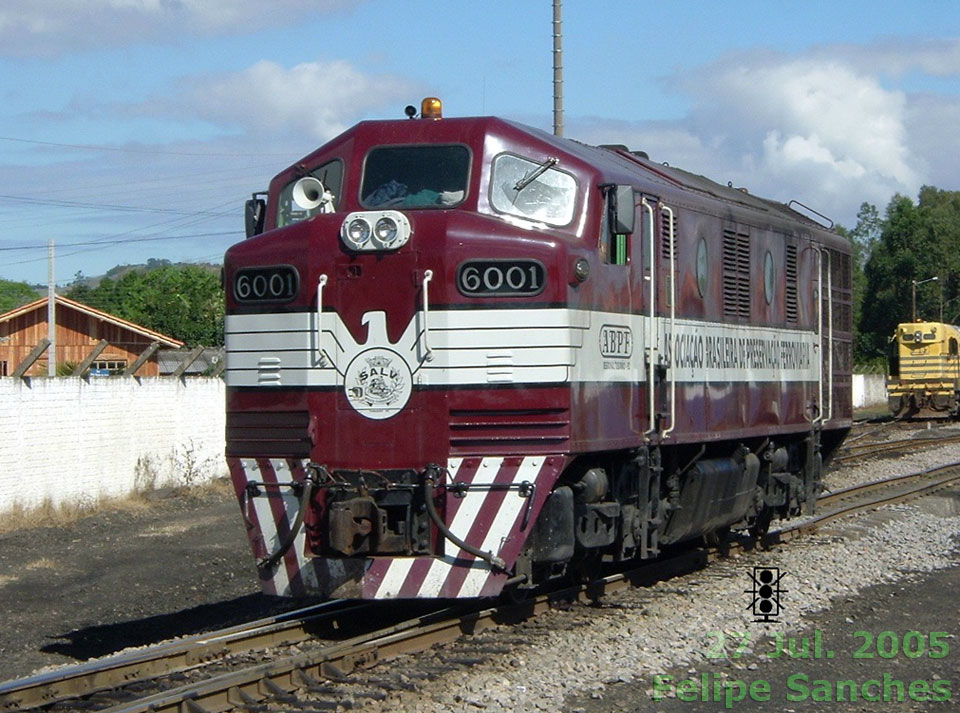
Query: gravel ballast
x=635 y=635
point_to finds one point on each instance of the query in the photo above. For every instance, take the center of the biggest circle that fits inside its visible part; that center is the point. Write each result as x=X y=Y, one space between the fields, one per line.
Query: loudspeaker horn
x=308 y=192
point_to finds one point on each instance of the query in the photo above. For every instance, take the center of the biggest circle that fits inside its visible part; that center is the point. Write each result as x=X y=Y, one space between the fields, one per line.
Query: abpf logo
x=378 y=383
x=766 y=593
x=616 y=342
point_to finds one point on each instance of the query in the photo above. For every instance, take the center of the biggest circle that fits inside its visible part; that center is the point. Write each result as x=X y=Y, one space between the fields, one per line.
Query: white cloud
x=310 y=101
x=823 y=127
x=937 y=57
x=53 y=27
x=793 y=113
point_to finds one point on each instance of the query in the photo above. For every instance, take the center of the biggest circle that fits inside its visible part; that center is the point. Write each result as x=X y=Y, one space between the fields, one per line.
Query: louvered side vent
x=736 y=275
x=840 y=282
x=791 y=306
x=840 y=305
x=666 y=223
x=842 y=356
x=476 y=428
x=668 y=220
x=269 y=434
x=845 y=274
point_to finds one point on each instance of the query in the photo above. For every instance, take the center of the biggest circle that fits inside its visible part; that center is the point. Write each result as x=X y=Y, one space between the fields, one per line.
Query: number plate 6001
x=277 y=283
x=501 y=278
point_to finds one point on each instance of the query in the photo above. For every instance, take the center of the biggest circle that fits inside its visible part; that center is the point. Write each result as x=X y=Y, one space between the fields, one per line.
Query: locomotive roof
x=679 y=177
x=614 y=160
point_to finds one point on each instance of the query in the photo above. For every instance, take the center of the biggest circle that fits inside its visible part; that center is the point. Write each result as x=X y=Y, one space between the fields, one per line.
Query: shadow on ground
x=95 y=641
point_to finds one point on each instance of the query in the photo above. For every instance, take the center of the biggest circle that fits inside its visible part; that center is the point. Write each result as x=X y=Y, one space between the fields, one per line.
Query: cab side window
x=617 y=224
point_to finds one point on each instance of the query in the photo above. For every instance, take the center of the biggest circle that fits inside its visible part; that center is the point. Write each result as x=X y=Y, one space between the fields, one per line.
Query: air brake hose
x=267 y=563
x=488 y=557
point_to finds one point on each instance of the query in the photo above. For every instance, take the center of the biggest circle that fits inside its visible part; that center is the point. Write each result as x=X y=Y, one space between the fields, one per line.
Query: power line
x=91 y=147
x=97 y=206
x=136 y=239
x=178 y=222
x=87 y=247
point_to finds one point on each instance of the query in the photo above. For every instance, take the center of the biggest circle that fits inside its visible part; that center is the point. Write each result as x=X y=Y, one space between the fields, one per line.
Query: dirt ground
x=179 y=564
x=855 y=644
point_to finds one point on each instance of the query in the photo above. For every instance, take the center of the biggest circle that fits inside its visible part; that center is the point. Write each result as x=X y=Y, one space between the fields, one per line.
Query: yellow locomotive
x=924 y=379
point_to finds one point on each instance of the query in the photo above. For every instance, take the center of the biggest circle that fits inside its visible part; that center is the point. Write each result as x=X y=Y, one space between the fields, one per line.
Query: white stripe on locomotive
x=500 y=527
x=268 y=526
x=535 y=346
x=470 y=506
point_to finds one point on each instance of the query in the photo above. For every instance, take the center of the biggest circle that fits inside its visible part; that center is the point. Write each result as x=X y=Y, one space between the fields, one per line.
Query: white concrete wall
x=67 y=440
x=869 y=390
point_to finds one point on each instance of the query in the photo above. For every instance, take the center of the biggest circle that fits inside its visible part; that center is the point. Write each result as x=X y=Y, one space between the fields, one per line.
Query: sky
x=135 y=129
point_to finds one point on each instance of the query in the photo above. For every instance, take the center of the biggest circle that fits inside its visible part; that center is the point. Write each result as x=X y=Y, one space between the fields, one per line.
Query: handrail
x=321 y=283
x=427 y=353
x=653 y=348
x=819 y=417
x=829 y=335
x=673 y=323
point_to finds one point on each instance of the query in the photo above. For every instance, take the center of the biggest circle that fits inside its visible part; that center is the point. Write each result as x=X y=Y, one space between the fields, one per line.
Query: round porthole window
x=768 y=277
x=702 y=267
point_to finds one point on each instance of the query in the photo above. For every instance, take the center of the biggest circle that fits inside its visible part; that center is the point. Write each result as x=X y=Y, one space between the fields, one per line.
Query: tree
x=867 y=232
x=182 y=301
x=15 y=294
x=186 y=302
x=863 y=239
x=915 y=243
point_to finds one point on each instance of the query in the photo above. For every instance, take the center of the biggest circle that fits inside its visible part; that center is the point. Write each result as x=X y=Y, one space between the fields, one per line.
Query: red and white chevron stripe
x=496 y=521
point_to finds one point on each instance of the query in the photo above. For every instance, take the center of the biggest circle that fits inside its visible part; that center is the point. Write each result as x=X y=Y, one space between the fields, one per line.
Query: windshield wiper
x=535 y=174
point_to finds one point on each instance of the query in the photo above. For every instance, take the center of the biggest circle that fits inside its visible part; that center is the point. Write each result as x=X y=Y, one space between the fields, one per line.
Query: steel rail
x=904 y=444
x=855 y=490
x=930 y=480
x=168 y=657
x=252 y=685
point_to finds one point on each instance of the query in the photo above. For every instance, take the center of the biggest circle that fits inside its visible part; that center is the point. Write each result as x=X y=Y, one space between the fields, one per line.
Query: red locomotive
x=464 y=354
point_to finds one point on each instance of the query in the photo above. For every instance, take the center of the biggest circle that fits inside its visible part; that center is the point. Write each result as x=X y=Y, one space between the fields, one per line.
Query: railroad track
x=902 y=445
x=179 y=655
x=314 y=674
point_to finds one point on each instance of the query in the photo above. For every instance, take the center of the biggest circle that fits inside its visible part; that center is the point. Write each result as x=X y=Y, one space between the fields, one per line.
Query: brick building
x=80 y=330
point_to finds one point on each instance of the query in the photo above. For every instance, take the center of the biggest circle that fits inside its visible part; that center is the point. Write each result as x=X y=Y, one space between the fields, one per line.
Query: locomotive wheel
x=761 y=524
x=585 y=568
x=516 y=593
x=717 y=537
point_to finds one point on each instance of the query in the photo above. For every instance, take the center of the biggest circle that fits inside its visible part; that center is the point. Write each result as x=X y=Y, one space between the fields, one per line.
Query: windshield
x=415 y=176
x=532 y=190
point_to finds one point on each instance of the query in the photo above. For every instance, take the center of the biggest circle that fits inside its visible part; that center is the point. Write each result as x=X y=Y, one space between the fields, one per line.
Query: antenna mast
x=557 y=69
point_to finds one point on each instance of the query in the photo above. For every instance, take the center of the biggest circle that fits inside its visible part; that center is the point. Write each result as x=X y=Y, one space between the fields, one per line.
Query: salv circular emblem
x=378 y=383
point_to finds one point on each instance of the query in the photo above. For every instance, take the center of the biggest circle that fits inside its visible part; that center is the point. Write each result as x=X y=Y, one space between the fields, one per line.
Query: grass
x=49 y=515
x=872 y=412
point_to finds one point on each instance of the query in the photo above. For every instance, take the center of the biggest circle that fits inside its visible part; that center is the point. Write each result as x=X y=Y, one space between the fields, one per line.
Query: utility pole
x=557 y=69
x=51 y=315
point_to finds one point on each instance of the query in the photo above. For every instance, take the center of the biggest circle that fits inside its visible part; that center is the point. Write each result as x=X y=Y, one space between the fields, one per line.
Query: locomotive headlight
x=385 y=232
x=375 y=230
x=356 y=233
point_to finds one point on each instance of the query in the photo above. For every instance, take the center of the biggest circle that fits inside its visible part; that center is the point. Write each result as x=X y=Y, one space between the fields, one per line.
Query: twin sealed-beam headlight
x=375 y=230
